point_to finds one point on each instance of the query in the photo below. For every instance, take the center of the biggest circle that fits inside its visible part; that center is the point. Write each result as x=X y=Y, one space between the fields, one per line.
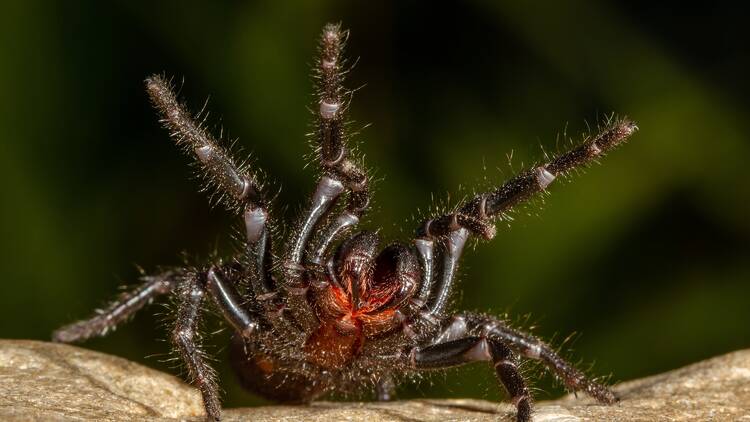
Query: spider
x=332 y=311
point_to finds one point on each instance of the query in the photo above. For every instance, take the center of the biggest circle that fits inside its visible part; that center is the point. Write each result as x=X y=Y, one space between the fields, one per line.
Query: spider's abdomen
x=266 y=376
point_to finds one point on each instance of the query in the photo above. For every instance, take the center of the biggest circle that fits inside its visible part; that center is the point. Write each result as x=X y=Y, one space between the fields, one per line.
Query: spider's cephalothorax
x=333 y=311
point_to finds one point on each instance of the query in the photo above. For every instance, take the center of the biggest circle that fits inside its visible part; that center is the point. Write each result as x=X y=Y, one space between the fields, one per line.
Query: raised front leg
x=476 y=215
x=336 y=159
x=235 y=186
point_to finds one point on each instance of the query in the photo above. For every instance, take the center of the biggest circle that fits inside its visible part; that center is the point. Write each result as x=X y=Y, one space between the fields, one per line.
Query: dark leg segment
x=426 y=250
x=236 y=187
x=326 y=194
x=473 y=349
x=476 y=214
x=119 y=310
x=336 y=230
x=335 y=160
x=334 y=156
x=525 y=345
x=186 y=339
x=258 y=241
x=259 y=264
x=454 y=246
x=229 y=303
x=342 y=174
x=235 y=184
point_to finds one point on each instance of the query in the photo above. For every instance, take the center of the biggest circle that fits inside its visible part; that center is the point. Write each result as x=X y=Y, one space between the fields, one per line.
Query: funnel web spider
x=328 y=310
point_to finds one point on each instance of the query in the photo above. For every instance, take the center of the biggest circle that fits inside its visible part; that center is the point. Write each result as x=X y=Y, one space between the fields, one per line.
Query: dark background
x=645 y=256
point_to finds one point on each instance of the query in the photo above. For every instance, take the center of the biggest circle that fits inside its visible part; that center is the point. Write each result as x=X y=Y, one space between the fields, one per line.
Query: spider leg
x=234 y=183
x=186 y=339
x=454 y=246
x=228 y=301
x=238 y=189
x=427 y=305
x=258 y=241
x=297 y=283
x=335 y=158
x=119 y=310
x=475 y=216
x=426 y=250
x=340 y=174
x=525 y=345
x=533 y=348
x=477 y=348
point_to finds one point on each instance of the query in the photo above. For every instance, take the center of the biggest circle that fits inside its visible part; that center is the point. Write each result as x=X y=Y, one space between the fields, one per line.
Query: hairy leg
x=297 y=281
x=227 y=299
x=186 y=338
x=527 y=346
x=336 y=159
x=473 y=349
x=341 y=175
x=533 y=348
x=476 y=215
x=234 y=184
x=127 y=304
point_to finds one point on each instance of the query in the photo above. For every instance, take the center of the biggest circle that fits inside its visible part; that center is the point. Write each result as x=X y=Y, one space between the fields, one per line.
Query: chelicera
x=329 y=310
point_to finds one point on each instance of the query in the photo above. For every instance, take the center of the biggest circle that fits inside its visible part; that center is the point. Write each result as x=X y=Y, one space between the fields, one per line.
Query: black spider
x=332 y=312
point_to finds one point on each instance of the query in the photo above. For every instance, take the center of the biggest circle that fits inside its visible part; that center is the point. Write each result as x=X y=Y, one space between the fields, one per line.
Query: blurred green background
x=647 y=256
